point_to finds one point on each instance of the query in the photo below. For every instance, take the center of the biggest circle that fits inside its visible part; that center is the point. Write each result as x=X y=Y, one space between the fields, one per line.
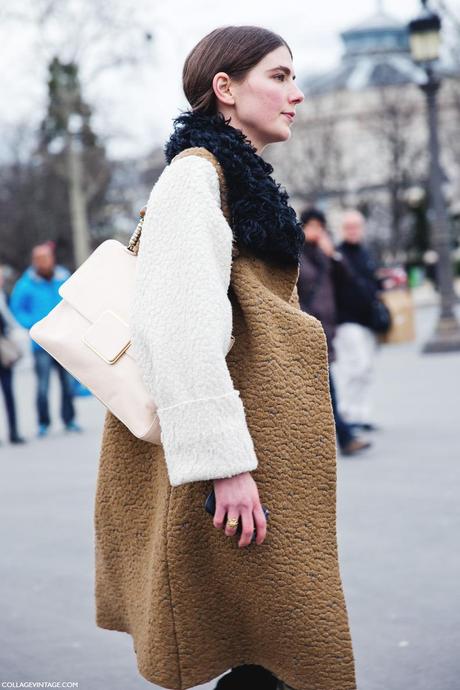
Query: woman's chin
x=275 y=136
x=283 y=134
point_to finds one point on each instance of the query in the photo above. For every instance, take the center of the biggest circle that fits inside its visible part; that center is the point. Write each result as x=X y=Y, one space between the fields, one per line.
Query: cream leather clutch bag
x=88 y=333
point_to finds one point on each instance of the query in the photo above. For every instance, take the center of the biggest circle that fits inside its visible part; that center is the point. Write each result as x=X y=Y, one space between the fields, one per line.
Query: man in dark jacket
x=356 y=342
x=321 y=273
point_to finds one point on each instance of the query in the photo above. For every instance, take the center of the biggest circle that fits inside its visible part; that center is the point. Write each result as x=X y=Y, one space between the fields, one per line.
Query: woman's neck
x=248 y=133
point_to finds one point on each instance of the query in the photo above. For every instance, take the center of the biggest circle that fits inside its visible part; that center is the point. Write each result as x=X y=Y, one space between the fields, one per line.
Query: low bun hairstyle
x=231 y=49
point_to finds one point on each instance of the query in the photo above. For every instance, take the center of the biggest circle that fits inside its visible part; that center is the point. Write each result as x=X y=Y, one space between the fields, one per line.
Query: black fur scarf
x=261 y=218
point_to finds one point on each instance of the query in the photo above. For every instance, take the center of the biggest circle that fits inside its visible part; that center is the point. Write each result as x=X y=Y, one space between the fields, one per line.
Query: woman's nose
x=297 y=96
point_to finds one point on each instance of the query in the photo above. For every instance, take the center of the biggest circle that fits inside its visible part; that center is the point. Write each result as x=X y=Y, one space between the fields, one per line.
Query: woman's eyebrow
x=284 y=69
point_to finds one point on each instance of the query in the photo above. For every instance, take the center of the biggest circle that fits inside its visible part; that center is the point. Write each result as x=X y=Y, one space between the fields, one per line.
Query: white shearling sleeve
x=181 y=321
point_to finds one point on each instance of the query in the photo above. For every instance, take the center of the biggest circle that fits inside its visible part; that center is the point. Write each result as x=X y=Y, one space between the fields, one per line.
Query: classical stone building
x=360 y=138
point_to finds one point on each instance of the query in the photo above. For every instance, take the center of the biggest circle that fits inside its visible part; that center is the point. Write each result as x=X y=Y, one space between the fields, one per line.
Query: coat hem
x=216 y=674
x=117 y=627
x=156 y=680
x=208 y=679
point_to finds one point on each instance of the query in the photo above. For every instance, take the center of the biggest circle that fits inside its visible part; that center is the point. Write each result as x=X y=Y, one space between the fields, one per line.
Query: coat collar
x=262 y=220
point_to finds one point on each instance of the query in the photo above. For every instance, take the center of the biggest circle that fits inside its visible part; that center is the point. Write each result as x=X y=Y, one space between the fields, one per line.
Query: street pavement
x=398 y=529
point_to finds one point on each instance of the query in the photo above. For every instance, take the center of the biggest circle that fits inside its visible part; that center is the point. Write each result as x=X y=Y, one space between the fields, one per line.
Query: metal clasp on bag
x=108 y=337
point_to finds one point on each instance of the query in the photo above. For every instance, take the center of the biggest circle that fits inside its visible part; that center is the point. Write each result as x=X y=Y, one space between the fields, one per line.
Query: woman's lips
x=290 y=116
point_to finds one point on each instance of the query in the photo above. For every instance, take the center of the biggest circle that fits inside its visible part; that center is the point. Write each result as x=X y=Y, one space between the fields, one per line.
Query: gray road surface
x=399 y=525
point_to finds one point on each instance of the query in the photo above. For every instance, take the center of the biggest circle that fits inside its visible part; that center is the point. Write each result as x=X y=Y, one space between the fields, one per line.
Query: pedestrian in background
x=32 y=298
x=356 y=342
x=10 y=353
x=321 y=272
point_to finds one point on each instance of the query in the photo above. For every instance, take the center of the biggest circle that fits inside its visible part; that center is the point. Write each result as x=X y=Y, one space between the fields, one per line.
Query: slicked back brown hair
x=231 y=49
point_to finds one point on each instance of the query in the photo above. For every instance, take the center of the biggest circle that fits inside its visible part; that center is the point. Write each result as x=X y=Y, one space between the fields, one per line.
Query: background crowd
x=339 y=285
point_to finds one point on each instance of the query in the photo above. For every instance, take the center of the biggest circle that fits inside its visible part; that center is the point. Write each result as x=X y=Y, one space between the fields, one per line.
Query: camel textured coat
x=194 y=603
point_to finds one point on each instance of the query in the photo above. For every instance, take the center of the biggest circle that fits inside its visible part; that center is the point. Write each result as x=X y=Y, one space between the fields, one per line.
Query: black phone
x=210 y=507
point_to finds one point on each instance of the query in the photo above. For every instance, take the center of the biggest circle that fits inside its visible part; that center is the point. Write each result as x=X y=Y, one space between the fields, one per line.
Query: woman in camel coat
x=218 y=257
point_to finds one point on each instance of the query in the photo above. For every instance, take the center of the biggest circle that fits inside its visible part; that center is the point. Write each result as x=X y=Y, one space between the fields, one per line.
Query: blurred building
x=361 y=137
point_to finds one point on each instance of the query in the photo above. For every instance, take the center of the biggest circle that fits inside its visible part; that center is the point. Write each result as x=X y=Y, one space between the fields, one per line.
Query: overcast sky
x=134 y=106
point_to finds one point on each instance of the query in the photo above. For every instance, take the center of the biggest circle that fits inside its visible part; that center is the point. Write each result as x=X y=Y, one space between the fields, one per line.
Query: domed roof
x=380 y=33
x=379 y=20
x=376 y=53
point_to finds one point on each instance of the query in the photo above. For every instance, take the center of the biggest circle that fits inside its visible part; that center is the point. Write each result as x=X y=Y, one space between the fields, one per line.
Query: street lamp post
x=77 y=195
x=424 y=33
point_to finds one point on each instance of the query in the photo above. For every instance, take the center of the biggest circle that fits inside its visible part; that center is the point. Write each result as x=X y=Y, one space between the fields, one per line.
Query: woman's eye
x=278 y=76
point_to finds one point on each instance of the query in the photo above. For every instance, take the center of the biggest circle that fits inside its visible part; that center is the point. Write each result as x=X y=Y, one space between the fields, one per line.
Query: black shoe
x=369 y=427
x=361 y=426
x=15 y=438
x=248 y=677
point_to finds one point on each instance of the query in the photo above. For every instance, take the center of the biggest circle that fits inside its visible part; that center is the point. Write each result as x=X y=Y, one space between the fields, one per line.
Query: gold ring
x=232 y=522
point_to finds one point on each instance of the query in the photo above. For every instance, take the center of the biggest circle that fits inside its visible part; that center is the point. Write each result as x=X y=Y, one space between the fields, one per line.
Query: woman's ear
x=221 y=85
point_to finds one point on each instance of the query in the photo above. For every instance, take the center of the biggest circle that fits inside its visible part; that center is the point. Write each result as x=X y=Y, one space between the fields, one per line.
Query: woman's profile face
x=263 y=105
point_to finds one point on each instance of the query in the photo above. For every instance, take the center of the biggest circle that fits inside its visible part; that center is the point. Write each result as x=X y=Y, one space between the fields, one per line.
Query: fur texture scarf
x=262 y=220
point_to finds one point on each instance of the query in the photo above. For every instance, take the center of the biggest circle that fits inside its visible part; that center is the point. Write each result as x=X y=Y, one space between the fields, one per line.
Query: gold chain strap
x=133 y=244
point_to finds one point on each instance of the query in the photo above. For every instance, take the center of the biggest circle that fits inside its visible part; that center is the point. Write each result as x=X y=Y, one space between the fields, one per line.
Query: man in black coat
x=356 y=342
x=320 y=276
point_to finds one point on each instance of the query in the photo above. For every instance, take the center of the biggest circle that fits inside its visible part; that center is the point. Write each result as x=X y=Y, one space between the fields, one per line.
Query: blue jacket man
x=34 y=295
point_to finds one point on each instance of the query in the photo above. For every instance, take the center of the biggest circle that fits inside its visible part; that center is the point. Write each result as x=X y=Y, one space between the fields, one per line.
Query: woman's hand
x=238 y=497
